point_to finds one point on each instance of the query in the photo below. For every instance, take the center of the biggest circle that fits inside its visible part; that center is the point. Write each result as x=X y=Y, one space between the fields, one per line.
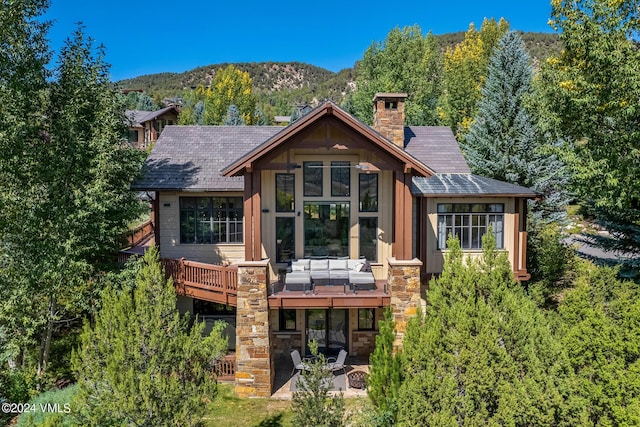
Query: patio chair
x=339 y=363
x=298 y=365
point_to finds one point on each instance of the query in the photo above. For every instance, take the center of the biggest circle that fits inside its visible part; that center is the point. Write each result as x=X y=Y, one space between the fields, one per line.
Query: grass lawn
x=228 y=410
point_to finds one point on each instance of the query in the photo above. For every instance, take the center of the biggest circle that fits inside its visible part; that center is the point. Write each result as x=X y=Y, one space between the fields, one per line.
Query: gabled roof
x=190 y=158
x=212 y=158
x=327 y=109
x=465 y=184
x=138 y=117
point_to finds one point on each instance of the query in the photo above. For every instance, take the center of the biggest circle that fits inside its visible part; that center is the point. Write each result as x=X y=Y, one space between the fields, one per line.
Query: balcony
x=329 y=296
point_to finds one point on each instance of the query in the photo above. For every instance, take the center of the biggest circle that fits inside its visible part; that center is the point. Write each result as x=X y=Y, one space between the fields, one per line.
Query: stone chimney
x=388 y=116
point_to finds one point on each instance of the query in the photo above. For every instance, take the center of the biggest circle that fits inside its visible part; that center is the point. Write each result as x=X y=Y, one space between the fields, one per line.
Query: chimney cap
x=399 y=96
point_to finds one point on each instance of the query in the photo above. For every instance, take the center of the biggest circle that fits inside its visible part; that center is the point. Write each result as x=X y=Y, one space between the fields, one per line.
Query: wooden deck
x=215 y=283
x=329 y=297
x=209 y=282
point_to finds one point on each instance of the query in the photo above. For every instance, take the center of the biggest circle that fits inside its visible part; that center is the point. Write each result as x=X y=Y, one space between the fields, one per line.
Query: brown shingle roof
x=436 y=147
x=191 y=157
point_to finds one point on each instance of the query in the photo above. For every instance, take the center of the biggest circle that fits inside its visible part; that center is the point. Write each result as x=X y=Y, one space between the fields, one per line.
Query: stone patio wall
x=404 y=287
x=254 y=359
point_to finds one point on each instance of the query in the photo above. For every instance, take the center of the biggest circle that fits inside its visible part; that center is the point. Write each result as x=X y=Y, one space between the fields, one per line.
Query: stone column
x=254 y=362
x=403 y=286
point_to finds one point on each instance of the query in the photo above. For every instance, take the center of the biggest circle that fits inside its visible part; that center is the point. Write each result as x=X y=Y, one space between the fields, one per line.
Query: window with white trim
x=469 y=222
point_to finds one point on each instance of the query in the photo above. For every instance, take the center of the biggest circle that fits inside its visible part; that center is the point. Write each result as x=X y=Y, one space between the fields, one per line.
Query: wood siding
x=170 y=246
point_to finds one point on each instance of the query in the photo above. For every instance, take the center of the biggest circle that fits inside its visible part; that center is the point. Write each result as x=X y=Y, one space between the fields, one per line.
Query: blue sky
x=145 y=37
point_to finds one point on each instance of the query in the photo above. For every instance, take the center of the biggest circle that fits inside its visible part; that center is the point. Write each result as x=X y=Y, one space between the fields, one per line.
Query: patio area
x=283 y=380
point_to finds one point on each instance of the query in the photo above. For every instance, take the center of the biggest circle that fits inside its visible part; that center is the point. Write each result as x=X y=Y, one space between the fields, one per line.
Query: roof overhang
x=328 y=109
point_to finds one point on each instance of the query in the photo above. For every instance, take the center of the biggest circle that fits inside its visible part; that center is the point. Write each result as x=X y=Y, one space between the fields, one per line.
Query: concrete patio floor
x=283 y=378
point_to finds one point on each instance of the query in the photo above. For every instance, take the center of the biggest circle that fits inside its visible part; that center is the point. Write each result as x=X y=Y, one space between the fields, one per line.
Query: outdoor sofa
x=305 y=273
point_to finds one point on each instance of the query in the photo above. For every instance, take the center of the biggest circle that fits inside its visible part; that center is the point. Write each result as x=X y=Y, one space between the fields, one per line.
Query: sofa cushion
x=300 y=262
x=298 y=278
x=319 y=264
x=337 y=264
x=352 y=263
x=361 y=277
x=320 y=274
x=337 y=276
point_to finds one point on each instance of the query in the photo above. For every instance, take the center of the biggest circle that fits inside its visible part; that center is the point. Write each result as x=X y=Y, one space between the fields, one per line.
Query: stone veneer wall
x=363 y=342
x=283 y=342
x=254 y=360
x=390 y=122
x=404 y=287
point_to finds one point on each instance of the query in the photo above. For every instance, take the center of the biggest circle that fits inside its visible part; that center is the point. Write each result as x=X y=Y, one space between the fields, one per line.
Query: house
x=146 y=126
x=235 y=205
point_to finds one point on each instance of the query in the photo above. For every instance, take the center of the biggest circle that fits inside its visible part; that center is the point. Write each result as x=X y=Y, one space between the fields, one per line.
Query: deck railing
x=210 y=282
x=225 y=369
x=139 y=233
x=217 y=283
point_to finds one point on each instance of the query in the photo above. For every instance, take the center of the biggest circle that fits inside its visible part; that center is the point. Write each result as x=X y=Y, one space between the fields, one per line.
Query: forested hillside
x=291 y=82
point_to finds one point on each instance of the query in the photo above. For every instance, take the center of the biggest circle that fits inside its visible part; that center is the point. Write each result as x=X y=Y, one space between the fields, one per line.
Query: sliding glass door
x=329 y=328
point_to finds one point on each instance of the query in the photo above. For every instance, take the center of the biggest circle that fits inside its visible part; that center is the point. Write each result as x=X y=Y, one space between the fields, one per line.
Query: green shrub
x=52 y=408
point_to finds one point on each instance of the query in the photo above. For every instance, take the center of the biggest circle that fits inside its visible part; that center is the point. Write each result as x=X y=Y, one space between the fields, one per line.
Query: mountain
x=287 y=83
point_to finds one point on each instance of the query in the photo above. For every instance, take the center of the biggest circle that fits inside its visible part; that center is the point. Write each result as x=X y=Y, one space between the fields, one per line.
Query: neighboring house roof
x=190 y=158
x=465 y=184
x=138 y=117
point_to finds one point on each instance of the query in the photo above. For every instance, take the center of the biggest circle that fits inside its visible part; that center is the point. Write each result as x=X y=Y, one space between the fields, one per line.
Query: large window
x=211 y=220
x=469 y=222
x=369 y=238
x=285 y=192
x=340 y=178
x=326 y=229
x=285 y=238
x=312 y=174
x=368 y=192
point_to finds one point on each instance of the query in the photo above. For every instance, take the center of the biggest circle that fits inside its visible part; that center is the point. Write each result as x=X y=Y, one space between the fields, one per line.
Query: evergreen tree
x=600 y=329
x=504 y=143
x=141 y=363
x=295 y=115
x=482 y=354
x=312 y=405
x=259 y=118
x=406 y=61
x=145 y=103
x=465 y=69
x=385 y=375
x=233 y=117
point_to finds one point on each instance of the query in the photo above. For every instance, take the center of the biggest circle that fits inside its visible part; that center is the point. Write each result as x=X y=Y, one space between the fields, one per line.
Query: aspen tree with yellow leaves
x=230 y=86
x=465 y=70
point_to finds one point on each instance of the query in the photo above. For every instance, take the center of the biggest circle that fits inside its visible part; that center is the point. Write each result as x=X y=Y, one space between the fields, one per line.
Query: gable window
x=368 y=192
x=312 y=177
x=211 y=220
x=285 y=192
x=340 y=178
x=469 y=222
